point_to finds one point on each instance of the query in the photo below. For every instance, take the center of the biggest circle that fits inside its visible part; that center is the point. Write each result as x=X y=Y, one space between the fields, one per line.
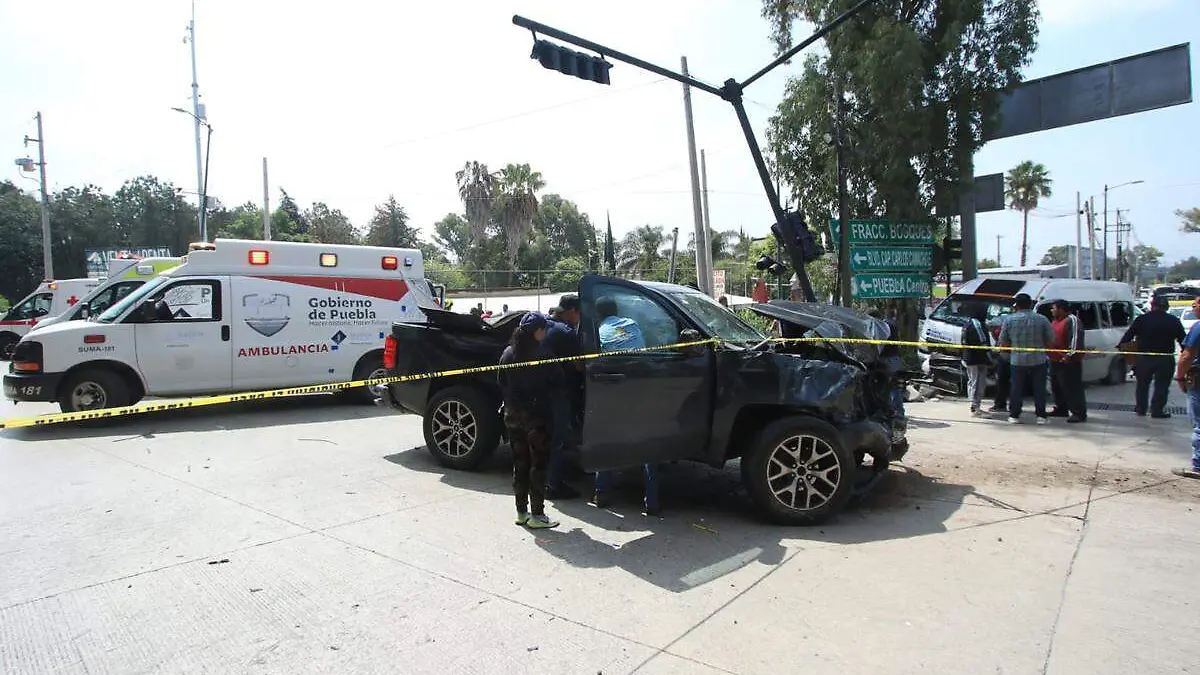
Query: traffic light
x=795 y=237
x=953 y=248
x=571 y=62
x=945 y=252
x=768 y=264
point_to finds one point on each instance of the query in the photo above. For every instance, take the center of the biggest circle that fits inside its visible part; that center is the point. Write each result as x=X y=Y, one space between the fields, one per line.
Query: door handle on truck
x=608 y=377
x=225 y=333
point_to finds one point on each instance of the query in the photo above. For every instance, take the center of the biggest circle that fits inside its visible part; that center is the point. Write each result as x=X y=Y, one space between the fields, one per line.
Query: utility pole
x=266 y=204
x=703 y=276
x=1079 y=239
x=708 y=261
x=674 y=247
x=47 y=246
x=845 y=282
x=998 y=238
x=1104 y=263
x=1089 y=211
x=198 y=115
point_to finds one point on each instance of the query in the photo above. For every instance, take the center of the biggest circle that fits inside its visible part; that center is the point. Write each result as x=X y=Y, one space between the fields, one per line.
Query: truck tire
x=7 y=342
x=93 y=390
x=1116 y=372
x=368 y=368
x=798 y=471
x=462 y=427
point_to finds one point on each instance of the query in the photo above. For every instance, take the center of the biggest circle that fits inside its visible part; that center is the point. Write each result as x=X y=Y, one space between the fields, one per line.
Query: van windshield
x=114 y=312
x=958 y=308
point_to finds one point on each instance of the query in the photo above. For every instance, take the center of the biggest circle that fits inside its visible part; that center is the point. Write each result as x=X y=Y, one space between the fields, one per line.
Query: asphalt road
x=310 y=536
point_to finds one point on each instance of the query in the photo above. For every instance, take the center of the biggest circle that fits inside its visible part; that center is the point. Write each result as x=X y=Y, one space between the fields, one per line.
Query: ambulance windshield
x=134 y=298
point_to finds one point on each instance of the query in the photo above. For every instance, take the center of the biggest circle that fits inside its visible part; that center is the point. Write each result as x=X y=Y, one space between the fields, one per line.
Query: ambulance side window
x=35 y=307
x=111 y=296
x=189 y=301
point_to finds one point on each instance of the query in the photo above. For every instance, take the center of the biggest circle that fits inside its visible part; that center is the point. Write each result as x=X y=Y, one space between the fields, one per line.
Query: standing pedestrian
x=1066 y=365
x=562 y=341
x=975 y=359
x=1003 y=382
x=1028 y=334
x=525 y=390
x=1157 y=331
x=889 y=356
x=1186 y=375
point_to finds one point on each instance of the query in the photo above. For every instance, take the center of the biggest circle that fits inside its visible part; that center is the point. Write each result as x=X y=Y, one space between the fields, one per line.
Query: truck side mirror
x=692 y=335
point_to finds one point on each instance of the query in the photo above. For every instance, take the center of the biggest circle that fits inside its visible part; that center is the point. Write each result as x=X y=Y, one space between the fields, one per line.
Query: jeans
x=1003 y=383
x=1066 y=383
x=1194 y=415
x=1160 y=370
x=604 y=481
x=560 y=435
x=893 y=365
x=976 y=380
x=1035 y=375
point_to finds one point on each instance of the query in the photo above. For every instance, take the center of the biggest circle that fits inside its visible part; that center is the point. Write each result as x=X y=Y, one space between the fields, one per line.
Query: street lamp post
x=203 y=213
x=1104 y=264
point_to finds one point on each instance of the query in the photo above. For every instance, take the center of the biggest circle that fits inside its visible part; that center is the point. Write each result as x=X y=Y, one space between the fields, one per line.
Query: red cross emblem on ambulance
x=72 y=300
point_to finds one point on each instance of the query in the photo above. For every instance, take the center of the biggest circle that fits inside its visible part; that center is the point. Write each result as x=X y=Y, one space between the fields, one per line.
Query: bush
x=567 y=273
x=3 y=304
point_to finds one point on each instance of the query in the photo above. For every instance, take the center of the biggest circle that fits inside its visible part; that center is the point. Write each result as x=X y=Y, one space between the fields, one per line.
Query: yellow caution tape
x=222 y=399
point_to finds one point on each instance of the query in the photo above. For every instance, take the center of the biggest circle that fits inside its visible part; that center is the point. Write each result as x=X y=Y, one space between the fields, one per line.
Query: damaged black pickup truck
x=812 y=423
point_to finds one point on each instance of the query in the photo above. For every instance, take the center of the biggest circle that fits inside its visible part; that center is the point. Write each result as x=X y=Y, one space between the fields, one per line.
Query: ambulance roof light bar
x=202 y=246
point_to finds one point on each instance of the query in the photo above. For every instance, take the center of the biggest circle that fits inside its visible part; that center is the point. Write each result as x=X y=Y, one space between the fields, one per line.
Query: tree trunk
x=1024 y=236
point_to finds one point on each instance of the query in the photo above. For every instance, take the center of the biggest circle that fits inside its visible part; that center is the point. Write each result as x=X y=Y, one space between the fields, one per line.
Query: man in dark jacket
x=976 y=359
x=562 y=341
x=1066 y=364
x=1156 y=331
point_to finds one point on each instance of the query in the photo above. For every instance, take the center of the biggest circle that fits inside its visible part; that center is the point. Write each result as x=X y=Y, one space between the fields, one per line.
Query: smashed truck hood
x=812 y=319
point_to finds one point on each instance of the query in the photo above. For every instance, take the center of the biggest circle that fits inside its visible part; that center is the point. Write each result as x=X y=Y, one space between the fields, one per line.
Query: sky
x=352 y=101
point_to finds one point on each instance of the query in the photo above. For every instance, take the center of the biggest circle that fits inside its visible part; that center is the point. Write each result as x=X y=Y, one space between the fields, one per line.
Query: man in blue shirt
x=617 y=333
x=1028 y=333
x=1186 y=375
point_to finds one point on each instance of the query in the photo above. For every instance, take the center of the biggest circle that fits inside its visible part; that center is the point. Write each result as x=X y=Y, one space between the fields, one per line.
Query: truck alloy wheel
x=461 y=427
x=799 y=472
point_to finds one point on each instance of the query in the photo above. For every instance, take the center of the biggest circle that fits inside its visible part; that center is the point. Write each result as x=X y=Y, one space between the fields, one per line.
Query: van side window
x=110 y=296
x=190 y=301
x=1120 y=313
x=1088 y=313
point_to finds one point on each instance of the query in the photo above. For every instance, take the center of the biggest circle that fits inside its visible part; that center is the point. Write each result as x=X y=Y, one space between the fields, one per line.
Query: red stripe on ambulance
x=384 y=289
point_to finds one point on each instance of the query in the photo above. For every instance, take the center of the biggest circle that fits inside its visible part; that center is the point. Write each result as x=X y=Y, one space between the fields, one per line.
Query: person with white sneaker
x=975 y=360
x=1027 y=333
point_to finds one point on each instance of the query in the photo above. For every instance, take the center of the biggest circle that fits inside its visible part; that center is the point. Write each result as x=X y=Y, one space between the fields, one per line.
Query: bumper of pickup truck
x=410 y=396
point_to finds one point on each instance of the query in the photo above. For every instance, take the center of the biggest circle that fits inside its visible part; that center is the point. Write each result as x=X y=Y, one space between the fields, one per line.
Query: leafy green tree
x=1189 y=220
x=453 y=234
x=988 y=263
x=242 y=222
x=330 y=226
x=1056 y=255
x=81 y=219
x=568 y=232
x=1184 y=270
x=20 y=242
x=515 y=207
x=151 y=213
x=287 y=222
x=390 y=227
x=1143 y=256
x=567 y=273
x=1024 y=185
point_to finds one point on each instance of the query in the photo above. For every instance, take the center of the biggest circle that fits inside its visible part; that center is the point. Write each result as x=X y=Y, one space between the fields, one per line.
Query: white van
x=125 y=275
x=49 y=300
x=236 y=316
x=1106 y=309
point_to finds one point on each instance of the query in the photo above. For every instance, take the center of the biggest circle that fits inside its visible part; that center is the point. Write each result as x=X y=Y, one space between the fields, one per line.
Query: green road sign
x=891 y=259
x=884 y=232
x=899 y=285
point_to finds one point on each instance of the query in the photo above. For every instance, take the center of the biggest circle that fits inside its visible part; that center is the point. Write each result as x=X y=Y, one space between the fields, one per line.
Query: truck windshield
x=721 y=322
x=114 y=312
x=958 y=308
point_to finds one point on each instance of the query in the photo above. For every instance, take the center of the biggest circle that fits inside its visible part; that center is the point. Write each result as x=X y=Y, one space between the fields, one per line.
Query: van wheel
x=462 y=427
x=93 y=390
x=369 y=368
x=1116 y=372
x=8 y=342
x=799 y=472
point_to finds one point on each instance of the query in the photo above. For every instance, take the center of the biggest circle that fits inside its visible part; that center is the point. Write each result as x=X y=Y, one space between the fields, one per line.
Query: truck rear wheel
x=93 y=390
x=798 y=471
x=462 y=427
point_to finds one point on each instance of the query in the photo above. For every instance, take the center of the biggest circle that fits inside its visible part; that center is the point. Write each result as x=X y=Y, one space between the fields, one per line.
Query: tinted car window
x=659 y=328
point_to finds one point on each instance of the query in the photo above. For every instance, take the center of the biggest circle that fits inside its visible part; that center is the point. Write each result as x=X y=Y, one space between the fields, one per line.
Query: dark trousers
x=1035 y=375
x=529 y=438
x=1003 y=383
x=1066 y=383
x=560 y=437
x=1157 y=369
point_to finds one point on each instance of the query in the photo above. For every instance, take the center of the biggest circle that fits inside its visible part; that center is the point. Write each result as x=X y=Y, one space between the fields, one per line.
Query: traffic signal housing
x=571 y=62
x=795 y=237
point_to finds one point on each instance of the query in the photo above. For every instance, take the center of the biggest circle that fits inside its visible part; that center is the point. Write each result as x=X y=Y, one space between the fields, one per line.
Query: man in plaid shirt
x=1025 y=329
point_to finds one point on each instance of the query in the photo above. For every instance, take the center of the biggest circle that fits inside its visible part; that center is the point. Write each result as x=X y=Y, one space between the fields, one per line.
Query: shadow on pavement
x=232 y=416
x=709 y=528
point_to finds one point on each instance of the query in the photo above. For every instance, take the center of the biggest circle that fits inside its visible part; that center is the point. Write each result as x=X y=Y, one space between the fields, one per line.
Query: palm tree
x=1024 y=185
x=639 y=250
x=516 y=204
x=477 y=188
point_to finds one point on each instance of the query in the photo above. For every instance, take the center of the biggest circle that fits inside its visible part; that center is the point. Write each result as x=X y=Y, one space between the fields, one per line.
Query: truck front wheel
x=93 y=390
x=462 y=427
x=7 y=342
x=798 y=471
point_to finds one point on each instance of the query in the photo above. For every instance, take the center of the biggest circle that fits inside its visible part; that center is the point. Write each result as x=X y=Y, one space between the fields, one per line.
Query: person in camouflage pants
x=530 y=441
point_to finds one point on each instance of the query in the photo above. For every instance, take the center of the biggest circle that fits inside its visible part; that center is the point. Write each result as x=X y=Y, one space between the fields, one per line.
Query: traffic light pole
x=732 y=93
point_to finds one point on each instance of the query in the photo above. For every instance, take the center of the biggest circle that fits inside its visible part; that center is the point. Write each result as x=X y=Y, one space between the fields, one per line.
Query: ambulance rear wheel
x=93 y=390
x=7 y=342
x=369 y=368
x=462 y=427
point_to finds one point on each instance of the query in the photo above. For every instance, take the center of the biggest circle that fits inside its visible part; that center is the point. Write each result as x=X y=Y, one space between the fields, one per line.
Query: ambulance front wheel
x=7 y=342
x=94 y=390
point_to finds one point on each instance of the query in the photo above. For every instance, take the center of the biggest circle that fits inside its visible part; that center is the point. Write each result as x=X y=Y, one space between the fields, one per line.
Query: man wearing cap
x=1156 y=331
x=1028 y=334
x=562 y=341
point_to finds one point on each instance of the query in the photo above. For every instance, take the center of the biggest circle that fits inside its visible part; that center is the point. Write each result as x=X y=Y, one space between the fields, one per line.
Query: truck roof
x=239 y=256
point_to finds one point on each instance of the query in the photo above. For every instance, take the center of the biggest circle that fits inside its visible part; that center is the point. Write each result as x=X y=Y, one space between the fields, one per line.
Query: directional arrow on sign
x=865 y=286
x=859 y=258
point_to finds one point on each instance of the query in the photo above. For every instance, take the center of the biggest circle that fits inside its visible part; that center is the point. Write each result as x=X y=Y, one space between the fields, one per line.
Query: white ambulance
x=236 y=316
x=125 y=275
x=49 y=300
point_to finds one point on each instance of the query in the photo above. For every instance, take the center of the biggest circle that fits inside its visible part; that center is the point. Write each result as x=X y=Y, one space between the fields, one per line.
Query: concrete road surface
x=310 y=536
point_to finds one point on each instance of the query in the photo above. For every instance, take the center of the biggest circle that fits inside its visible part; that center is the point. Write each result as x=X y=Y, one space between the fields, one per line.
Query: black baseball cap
x=568 y=302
